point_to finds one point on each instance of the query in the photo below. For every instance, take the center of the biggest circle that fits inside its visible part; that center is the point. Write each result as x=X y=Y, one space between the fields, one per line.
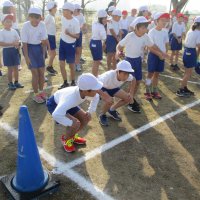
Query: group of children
x=121 y=37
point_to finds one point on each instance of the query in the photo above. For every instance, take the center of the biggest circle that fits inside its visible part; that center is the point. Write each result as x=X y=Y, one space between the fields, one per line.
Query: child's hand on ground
x=88 y=116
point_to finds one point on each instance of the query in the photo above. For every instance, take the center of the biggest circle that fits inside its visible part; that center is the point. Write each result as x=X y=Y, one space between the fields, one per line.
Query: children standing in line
x=70 y=33
x=124 y=23
x=155 y=64
x=114 y=35
x=51 y=31
x=9 y=40
x=112 y=81
x=190 y=57
x=134 y=44
x=82 y=22
x=178 y=32
x=34 y=38
x=98 y=35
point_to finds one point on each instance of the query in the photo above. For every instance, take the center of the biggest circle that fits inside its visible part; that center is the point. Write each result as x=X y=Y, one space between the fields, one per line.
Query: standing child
x=124 y=23
x=178 y=32
x=112 y=81
x=98 y=35
x=190 y=57
x=134 y=44
x=65 y=110
x=34 y=38
x=132 y=17
x=113 y=37
x=155 y=63
x=9 y=40
x=70 y=33
x=51 y=31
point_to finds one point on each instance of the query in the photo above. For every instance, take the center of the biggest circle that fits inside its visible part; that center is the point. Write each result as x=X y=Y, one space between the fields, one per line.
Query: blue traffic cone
x=30 y=176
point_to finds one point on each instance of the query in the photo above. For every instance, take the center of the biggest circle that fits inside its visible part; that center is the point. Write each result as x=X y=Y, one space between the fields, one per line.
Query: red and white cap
x=68 y=6
x=125 y=66
x=7 y=4
x=51 y=4
x=78 y=7
x=102 y=13
x=7 y=16
x=139 y=20
x=35 y=10
x=117 y=13
x=160 y=15
x=180 y=15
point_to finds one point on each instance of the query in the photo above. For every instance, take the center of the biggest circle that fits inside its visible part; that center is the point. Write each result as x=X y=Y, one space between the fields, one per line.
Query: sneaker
x=73 y=83
x=181 y=93
x=64 y=85
x=103 y=120
x=11 y=86
x=173 y=67
x=134 y=108
x=177 y=68
x=78 y=68
x=45 y=79
x=156 y=95
x=19 y=67
x=1 y=107
x=44 y=95
x=115 y=115
x=148 y=96
x=1 y=74
x=50 y=70
x=54 y=71
x=18 y=85
x=136 y=102
x=79 y=140
x=68 y=144
x=189 y=91
x=82 y=61
x=38 y=99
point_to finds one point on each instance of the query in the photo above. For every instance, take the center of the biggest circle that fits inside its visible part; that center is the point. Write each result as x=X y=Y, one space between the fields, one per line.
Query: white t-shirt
x=98 y=31
x=33 y=35
x=130 y=19
x=151 y=25
x=192 y=39
x=15 y=25
x=134 y=45
x=124 y=24
x=178 y=29
x=159 y=38
x=81 y=19
x=8 y=36
x=110 y=81
x=50 y=24
x=72 y=25
x=68 y=98
x=113 y=25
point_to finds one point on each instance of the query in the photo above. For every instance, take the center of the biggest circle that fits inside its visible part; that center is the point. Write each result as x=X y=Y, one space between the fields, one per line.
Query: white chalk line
x=59 y=165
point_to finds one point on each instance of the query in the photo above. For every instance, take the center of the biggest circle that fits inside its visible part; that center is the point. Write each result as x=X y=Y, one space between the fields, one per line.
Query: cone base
x=50 y=188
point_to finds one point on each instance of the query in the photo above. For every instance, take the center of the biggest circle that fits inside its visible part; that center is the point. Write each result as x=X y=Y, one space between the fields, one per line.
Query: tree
x=179 y=4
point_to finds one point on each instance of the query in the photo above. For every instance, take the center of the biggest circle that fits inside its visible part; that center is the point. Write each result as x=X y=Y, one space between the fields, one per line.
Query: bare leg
x=63 y=70
x=95 y=68
x=35 y=79
x=10 y=72
x=72 y=71
x=52 y=57
x=186 y=77
x=41 y=78
x=16 y=73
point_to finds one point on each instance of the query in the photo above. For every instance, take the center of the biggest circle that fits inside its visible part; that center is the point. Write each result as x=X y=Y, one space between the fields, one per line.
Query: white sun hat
x=124 y=66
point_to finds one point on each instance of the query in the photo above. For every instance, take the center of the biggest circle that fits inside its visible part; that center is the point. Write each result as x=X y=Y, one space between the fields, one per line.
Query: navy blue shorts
x=125 y=32
x=190 y=57
x=67 y=52
x=111 y=92
x=36 y=56
x=154 y=63
x=79 y=40
x=96 y=49
x=111 y=44
x=51 y=106
x=11 y=57
x=136 y=64
x=52 y=41
x=175 y=46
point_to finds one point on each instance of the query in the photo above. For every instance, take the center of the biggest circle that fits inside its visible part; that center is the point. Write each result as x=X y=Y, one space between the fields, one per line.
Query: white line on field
x=48 y=87
x=59 y=165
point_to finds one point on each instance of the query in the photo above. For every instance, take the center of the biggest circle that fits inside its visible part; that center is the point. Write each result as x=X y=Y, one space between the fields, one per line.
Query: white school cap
x=51 y=4
x=102 y=13
x=139 y=20
x=197 y=19
x=160 y=15
x=88 y=81
x=68 y=6
x=143 y=8
x=117 y=13
x=111 y=8
x=7 y=4
x=7 y=16
x=124 y=66
x=35 y=10
x=78 y=7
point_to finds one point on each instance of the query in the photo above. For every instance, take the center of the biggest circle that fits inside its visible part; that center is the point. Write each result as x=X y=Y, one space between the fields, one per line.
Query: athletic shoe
x=68 y=144
x=11 y=86
x=189 y=91
x=54 y=71
x=103 y=120
x=78 y=68
x=148 y=96
x=115 y=115
x=156 y=95
x=82 y=61
x=45 y=79
x=19 y=67
x=79 y=140
x=64 y=85
x=44 y=95
x=182 y=93
x=18 y=85
x=38 y=99
x=134 y=108
x=177 y=68
x=73 y=83
x=50 y=70
x=136 y=103
x=1 y=107
x=1 y=74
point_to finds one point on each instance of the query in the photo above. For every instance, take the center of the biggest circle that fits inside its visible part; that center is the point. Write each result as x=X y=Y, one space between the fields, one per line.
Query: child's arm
x=76 y=36
x=25 y=50
x=114 y=34
x=5 y=44
x=119 y=51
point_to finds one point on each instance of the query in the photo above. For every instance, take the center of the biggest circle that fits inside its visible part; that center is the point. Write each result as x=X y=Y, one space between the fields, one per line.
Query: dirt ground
x=160 y=163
